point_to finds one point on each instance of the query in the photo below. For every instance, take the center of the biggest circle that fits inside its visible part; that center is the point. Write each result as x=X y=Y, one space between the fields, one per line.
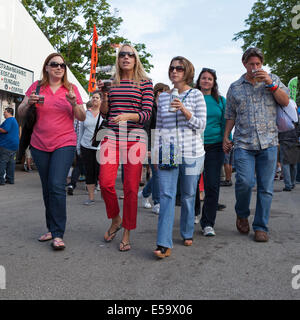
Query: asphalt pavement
x=226 y=267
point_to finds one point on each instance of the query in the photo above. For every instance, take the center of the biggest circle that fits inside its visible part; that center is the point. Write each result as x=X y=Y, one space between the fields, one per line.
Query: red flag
x=94 y=61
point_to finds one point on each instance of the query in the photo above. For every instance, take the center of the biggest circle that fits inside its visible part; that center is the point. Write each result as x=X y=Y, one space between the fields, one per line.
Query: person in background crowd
x=288 y=142
x=298 y=165
x=9 y=143
x=28 y=160
x=214 y=154
x=228 y=169
x=78 y=169
x=85 y=148
x=188 y=120
x=152 y=186
x=53 y=141
x=251 y=108
x=128 y=106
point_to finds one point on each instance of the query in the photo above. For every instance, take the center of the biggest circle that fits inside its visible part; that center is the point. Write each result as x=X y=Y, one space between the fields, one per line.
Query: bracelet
x=274 y=88
x=270 y=85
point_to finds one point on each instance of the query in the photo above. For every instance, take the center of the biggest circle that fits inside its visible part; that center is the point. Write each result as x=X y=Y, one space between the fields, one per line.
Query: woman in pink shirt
x=53 y=141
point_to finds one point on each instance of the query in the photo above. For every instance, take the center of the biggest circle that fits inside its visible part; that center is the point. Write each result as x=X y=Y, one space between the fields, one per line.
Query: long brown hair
x=45 y=77
x=215 y=89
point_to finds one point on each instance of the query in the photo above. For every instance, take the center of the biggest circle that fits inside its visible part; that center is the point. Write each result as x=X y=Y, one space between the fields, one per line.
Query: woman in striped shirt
x=127 y=106
x=190 y=116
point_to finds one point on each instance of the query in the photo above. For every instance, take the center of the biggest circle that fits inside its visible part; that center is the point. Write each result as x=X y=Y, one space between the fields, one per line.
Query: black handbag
x=28 y=124
x=103 y=125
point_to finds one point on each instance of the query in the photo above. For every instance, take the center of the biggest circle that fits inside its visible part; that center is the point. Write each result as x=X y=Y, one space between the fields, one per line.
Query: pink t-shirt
x=54 y=127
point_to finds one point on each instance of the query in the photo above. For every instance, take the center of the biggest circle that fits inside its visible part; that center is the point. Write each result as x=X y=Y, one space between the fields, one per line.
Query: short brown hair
x=252 y=52
x=98 y=92
x=189 y=69
x=160 y=87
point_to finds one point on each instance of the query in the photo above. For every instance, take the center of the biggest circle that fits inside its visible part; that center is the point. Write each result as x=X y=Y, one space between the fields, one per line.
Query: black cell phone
x=106 y=86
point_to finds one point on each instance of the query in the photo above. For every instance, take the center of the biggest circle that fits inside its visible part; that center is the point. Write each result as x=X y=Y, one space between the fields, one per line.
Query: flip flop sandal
x=124 y=246
x=112 y=235
x=58 y=244
x=46 y=237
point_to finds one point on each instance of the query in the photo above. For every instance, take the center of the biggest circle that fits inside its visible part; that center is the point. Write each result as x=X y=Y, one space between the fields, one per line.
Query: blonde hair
x=45 y=76
x=139 y=73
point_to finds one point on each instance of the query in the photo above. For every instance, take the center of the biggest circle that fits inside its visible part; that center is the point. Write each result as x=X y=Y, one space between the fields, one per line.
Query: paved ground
x=228 y=266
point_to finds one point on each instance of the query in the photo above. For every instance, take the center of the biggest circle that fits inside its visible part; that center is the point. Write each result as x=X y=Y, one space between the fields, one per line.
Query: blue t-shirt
x=10 y=140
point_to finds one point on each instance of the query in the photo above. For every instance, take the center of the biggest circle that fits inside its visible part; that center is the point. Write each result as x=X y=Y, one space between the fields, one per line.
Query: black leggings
x=91 y=165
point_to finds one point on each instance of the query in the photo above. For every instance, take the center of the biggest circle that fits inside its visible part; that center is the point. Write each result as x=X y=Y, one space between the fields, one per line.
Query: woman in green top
x=214 y=154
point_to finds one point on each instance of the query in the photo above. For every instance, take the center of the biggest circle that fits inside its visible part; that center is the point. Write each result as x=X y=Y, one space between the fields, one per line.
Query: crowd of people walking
x=187 y=134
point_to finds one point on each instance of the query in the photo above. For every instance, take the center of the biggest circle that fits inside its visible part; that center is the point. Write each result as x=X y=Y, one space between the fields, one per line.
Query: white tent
x=23 y=43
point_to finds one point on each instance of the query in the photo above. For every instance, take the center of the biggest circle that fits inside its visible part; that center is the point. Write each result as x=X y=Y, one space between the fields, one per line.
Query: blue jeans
x=189 y=172
x=7 y=165
x=289 y=173
x=214 y=160
x=53 y=169
x=247 y=164
x=152 y=187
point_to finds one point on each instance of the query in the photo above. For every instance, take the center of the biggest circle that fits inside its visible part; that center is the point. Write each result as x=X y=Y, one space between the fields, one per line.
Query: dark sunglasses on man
x=56 y=64
x=123 y=54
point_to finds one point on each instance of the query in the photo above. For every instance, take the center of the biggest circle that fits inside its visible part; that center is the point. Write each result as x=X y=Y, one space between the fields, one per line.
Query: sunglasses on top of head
x=56 y=64
x=122 y=54
x=177 y=68
x=208 y=70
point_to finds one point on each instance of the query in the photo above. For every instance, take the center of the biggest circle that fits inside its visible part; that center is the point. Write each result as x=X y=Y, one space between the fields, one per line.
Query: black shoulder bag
x=103 y=125
x=29 y=122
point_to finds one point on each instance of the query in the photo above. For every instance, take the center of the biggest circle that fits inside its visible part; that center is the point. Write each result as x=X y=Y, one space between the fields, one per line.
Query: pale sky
x=200 y=30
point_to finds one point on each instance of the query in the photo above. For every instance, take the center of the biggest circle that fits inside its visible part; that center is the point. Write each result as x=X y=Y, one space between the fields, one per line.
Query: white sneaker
x=156 y=208
x=197 y=219
x=209 y=232
x=145 y=201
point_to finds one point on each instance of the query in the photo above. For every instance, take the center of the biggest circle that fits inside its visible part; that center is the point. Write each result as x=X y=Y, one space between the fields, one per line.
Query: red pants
x=201 y=184
x=132 y=155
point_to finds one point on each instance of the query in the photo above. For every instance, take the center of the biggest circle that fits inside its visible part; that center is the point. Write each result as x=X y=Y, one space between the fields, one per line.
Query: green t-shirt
x=215 y=121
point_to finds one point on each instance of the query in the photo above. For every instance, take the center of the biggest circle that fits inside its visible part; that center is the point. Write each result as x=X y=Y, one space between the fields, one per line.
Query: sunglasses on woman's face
x=177 y=68
x=209 y=70
x=56 y=65
x=123 y=54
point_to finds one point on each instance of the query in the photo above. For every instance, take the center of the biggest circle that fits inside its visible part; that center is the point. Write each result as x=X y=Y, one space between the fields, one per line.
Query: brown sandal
x=162 y=252
x=111 y=235
x=124 y=246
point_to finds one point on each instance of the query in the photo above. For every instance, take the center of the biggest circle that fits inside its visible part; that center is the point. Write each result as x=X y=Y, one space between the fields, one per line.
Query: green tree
x=68 y=25
x=270 y=29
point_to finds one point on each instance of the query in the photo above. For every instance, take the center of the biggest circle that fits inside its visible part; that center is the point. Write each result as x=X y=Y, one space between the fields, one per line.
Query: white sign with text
x=14 y=79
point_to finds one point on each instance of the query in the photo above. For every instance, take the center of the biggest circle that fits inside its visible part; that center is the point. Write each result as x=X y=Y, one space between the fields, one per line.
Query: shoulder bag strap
x=37 y=90
x=293 y=122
